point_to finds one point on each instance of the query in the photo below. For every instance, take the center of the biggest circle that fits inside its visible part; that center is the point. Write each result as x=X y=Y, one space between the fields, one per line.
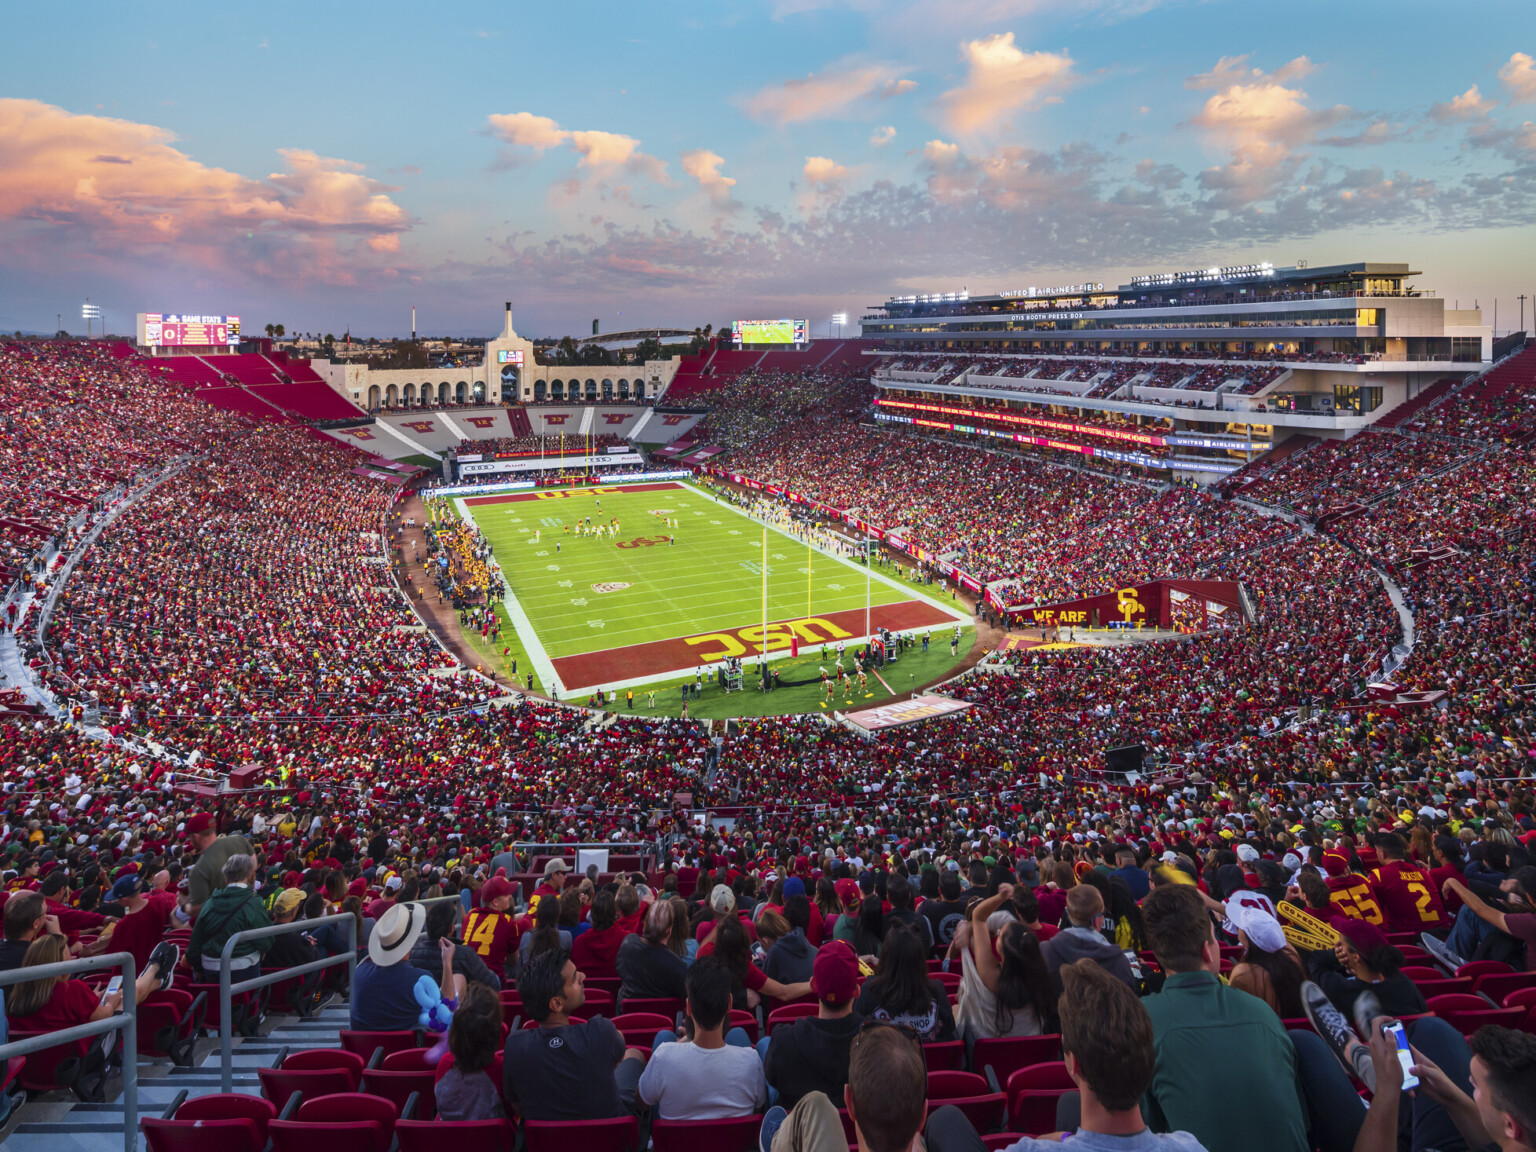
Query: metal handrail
x=227 y=989
x=127 y=1021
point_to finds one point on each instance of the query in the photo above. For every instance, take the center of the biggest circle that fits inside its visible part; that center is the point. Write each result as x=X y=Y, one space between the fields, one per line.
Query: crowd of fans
x=242 y=612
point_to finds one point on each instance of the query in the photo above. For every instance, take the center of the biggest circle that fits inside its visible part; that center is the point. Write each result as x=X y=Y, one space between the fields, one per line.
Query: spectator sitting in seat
x=233 y=908
x=646 y=963
x=886 y=1097
x=26 y=919
x=1005 y=988
x=57 y=1002
x=566 y=1069
x=902 y=991
x=384 y=986
x=144 y=923
x=427 y=954
x=546 y=935
x=701 y=1076
x=1106 y=1044
x=811 y=1054
x=1198 y=1023
x=466 y=1091
x=295 y=948
x=728 y=943
x=1084 y=940
x=1364 y=959
x=792 y=956
x=595 y=950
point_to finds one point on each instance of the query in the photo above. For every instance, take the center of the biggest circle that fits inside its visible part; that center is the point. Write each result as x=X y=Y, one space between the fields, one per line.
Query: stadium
x=706 y=626
x=1097 y=705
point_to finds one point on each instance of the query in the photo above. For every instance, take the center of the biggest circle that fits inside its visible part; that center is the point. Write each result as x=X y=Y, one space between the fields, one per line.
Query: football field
x=651 y=602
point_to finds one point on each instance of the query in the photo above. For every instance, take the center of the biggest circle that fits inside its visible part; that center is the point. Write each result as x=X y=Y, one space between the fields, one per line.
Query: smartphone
x=114 y=986
x=1394 y=1032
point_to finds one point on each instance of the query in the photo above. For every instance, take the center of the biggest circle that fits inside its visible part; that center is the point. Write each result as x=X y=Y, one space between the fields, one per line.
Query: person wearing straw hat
x=384 y=986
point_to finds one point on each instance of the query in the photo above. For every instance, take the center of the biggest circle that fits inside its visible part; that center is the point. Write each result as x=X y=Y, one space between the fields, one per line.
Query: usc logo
x=1127 y=605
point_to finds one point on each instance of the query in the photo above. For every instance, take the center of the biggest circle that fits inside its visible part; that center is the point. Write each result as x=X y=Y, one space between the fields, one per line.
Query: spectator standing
x=207 y=876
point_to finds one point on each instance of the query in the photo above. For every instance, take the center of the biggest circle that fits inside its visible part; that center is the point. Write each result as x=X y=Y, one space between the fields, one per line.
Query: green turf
x=914 y=669
x=710 y=580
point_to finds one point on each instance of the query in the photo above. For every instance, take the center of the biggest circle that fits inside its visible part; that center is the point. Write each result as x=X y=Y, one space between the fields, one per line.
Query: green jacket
x=227 y=911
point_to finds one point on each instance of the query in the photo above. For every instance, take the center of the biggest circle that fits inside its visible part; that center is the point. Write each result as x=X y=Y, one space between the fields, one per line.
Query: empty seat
x=397 y=1086
x=169 y=1021
x=1007 y=1054
x=1032 y=1095
x=668 y=1006
x=788 y=1015
x=464 y=1136
x=944 y=1055
x=639 y=1028
x=365 y=1044
x=1467 y=1013
x=968 y=1092
x=218 y=1122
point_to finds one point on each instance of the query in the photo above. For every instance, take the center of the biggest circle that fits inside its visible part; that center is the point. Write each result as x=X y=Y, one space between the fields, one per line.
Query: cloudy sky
x=328 y=166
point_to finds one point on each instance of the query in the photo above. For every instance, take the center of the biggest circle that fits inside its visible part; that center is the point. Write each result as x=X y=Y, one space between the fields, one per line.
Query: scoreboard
x=173 y=330
x=769 y=331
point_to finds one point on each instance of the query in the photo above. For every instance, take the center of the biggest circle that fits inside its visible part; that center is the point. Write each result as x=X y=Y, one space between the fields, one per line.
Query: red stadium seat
x=944 y=1055
x=789 y=1014
x=1006 y=1055
x=618 y=1135
x=639 y=1028
x=397 y=1087
x=1032 y=1095
x=968 y=1092
x=219 y=1122
x=1475 y=968
x=1498 y=985
x=365 y=1044
x=737 y=1134
x=1467 y=1013
x=668 y=1006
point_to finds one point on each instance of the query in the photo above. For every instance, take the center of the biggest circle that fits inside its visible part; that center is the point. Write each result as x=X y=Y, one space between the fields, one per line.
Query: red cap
x=835 y=975
x=1364 y=936
x=201 y=822
x=847 y=891
x=1334 y=864
x=495 y=888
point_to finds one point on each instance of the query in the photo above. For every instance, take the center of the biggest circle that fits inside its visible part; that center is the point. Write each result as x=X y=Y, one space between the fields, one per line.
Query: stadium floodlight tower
x=89 y=312
x=839 y=318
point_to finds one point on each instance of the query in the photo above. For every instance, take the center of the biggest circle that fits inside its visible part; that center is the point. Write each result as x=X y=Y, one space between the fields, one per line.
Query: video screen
x=769 y=331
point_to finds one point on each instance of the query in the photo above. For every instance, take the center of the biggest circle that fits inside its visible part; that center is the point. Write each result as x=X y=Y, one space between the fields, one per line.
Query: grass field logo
x=607 y=588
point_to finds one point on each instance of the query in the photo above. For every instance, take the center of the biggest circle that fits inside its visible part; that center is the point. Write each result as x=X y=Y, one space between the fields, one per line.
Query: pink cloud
x=123 y=188
x=1001 y=78
x=825 y=95
x=1519 y=78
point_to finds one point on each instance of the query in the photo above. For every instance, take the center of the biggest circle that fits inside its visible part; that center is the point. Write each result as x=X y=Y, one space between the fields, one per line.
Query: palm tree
x=271 y=328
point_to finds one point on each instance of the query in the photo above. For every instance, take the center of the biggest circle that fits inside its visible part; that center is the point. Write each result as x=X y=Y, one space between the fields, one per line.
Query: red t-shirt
x=72 y=1003
x=1351 y=896
x=139 y=932
x=1408 y=897
x=491 y=934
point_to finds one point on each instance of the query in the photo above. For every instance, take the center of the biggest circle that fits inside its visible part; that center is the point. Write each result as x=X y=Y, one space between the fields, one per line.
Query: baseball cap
x=794 y=886
x=200 y=822
x=494 y=889
x=835 y=974
x=1259 y=926
x=847 y=891
x=554 y=866
x=287 y=900
x=129 y=885
x=393 y=884
x=1247 y=853
x=721 y=900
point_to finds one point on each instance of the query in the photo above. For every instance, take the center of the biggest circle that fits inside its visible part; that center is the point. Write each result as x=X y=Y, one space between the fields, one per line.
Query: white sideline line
x=520 y=622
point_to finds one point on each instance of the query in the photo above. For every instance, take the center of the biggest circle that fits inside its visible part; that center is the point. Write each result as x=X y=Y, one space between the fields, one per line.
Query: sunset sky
x=327 y=166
